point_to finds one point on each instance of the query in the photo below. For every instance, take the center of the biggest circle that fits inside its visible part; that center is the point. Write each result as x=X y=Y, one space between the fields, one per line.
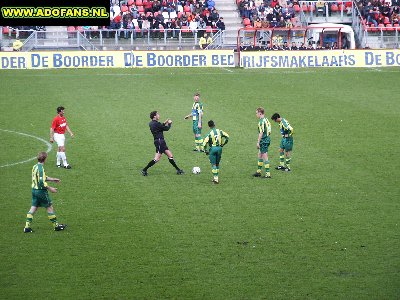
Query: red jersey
x=59 y=124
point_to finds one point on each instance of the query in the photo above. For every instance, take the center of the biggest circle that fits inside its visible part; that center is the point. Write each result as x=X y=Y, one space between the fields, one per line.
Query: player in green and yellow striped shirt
x=40 y=195
x=215 y=139
x=197 y=116
x=286 y=146
x=263 y=142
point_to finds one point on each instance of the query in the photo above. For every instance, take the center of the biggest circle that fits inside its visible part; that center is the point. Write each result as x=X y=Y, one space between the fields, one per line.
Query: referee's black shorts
x=161 y=145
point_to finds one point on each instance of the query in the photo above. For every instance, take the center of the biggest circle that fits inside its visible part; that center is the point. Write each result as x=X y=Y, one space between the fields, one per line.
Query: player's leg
x=151 y=163
x=53 y=219
x=266 y=165
x=60 y=140
x=29 y=219
x=213 y=161
x=281 y=156
x=172 y=162
x=199 y=142
x=260 y=164
x=288 y=153
x=218 y=153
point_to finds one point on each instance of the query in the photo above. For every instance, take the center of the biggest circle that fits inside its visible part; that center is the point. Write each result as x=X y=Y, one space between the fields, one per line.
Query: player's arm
x=187 y=117
x=51 y=135
x=164 y=127
x=205 y=143
x=69 y=131
x=52 y=179
x=260 y=134
x=200 y=118
x=226 y=138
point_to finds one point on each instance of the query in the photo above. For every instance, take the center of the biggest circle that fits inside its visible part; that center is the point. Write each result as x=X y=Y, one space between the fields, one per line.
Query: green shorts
x=41 y=198
x=196 y=129
x=264 y=144
x=287 y=144
x=215 y=155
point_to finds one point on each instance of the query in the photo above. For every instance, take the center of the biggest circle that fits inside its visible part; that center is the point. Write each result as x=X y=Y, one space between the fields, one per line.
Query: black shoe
x=280 y=168
x=287 y=170
x=215 y=181
x=27 y=230
x=58 y=166
x=257 y=174
x=60 y=227
x=67 y=167
x=144 y=173
x=180 y=172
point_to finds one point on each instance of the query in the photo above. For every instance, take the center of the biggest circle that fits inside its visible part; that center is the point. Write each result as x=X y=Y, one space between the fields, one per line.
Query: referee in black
x=157 y=130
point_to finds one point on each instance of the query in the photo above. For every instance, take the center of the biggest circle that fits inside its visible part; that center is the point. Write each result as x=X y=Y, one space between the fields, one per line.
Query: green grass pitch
x=328 y=230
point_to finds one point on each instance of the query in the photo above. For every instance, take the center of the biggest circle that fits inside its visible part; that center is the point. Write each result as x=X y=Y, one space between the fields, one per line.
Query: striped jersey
x=285 y=128
x=197 y=109
x=264 y=126
x=38 y=177
x=214 y=138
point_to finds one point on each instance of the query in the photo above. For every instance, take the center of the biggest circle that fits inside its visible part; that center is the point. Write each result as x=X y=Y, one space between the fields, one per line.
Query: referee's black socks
x=150 y=164
x=172 y=162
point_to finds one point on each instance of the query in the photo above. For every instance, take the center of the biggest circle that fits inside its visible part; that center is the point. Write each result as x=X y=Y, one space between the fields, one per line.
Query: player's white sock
x=58 y=158
x=64 y=158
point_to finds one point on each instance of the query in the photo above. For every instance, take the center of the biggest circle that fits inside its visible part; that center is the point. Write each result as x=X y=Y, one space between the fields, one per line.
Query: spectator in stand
x=193 y=26
x=371 y=18
x=171 y=28
x=302 y=47
x=220 y=24
x=17 y=45
x=214 y=16
x=281 y=22
x=257 y=24
x=294 y=47
x=395 y=18
x=285 y=46
x=210 y=4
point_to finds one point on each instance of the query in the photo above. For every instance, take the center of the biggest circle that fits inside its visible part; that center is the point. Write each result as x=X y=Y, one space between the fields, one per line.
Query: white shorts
x=59 y=139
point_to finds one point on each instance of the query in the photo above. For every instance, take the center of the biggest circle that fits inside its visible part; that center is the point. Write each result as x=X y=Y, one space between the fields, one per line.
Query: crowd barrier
x=201 y=58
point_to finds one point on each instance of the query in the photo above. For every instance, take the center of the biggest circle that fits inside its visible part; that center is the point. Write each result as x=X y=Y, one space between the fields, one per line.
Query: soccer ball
x=196 y=170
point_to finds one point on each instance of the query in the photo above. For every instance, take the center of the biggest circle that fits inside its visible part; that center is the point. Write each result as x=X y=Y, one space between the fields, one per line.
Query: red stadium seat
x=334 y=7
x=185 y=29
x=304 y=7
x=246 y=22
x=140 y=9
x=71 y=28
x=186 y=8
x=296 y=8
x=311 y=7
x=139 y=3
x=131 y=2
x=389 y=27
x=209 y=29
x=6 y=30
x=80 y=29
x=124 y=8
x=386 y=21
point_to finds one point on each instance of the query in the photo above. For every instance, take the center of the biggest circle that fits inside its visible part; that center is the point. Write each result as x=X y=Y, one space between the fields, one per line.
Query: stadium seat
x=139 y=3
x=311 y=8
x=246 y=22
x=389 y=27
x=304 y=7
x=381 y=27
x=71 y=28
x=296 y=8
x=386 y=21
x=186 y=9
x=140 y=9
x=334 y=7
x=131 y=2
x=209 y=29
x=185 y=29
x=124 y=8
x=6 y=30
x=80 y=29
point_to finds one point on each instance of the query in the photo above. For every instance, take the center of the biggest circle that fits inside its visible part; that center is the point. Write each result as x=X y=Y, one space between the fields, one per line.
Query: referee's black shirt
x=157 y=129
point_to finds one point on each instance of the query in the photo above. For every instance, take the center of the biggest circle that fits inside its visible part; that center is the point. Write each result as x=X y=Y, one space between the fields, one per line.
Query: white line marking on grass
x=228 y=70
x=49 y=146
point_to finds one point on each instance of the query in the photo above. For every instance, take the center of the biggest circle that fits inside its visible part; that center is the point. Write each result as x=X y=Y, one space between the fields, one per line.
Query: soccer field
x=327 y=230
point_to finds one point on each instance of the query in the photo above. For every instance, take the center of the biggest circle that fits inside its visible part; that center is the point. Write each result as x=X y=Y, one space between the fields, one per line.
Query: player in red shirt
x=57 y=133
